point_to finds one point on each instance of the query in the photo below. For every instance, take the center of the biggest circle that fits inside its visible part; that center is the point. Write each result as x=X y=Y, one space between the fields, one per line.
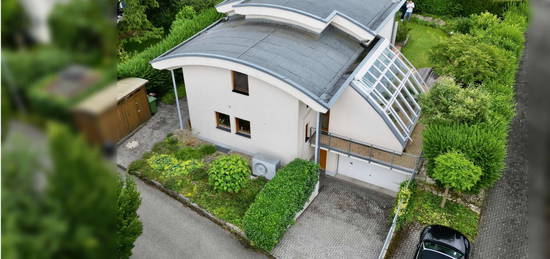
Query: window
x=307 y=132
x=240 y=83
x=243 y=127
x=223 y=122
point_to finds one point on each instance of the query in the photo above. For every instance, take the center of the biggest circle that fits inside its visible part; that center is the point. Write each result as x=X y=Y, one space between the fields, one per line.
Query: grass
x=424 y=208
x=421 y=39
x=230 y=207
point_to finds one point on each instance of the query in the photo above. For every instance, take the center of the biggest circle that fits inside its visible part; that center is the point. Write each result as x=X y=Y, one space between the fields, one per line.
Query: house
x=276 y=77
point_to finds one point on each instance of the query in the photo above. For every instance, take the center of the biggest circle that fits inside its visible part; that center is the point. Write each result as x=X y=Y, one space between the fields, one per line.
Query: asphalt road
x=171 y=230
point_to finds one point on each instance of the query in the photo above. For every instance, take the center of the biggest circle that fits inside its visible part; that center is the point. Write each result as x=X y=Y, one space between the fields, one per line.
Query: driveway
x=171 y=230
x=344 y=221
x=154 y=130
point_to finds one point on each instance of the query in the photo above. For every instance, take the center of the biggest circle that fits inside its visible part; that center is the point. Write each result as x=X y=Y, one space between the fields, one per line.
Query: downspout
x=177 y=100
x=317 y=137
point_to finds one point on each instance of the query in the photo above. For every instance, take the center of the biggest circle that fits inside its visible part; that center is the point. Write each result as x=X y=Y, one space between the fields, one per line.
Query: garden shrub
x=490 y=29
x=447 y=102
x=207 y=149
x=229 y=173
x=186 y=153
x=470 y=61
x=459 y=25
x=484 y=144
x=406 y=190
x=456 y=172
x=168 y=145
x=458 y=7
x=27 y=67
x=168 y=166
x=276 y=205
x=160 y=81
x=402 y=33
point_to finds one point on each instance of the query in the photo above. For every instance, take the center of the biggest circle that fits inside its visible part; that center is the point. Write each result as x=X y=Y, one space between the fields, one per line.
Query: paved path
x=155 y=129
x=503 y=224
x=171 y=230
x=344 y=221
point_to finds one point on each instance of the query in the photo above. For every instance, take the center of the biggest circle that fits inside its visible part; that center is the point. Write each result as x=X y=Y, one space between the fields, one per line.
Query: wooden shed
x=114 y=112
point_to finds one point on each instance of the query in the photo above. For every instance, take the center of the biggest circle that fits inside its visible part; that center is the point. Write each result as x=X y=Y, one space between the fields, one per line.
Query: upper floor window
x=223 y=121
x=240 y=83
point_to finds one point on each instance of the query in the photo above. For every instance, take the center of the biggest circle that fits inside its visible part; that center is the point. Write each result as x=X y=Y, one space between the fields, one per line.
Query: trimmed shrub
x=447 y=102
x=276 y=205
x=471 y=61
x=459 y=7
x=228 y=173
x=402 y=199
x=456 y=172
x=483 y=144
x=490 y=29
x=159 y=80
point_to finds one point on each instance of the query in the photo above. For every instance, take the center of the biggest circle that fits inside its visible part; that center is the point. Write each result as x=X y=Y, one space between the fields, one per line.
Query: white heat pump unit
x=264 y=166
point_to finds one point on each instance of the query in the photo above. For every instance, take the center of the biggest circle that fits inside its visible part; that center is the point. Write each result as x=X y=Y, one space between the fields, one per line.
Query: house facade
x=305 y=79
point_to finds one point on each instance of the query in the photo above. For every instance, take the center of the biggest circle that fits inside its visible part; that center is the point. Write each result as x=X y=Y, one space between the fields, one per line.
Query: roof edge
x=306 y=92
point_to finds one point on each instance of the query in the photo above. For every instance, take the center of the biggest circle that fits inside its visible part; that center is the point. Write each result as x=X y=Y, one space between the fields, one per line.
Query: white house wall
x=387 y=29
x=273 y=114
x=353 y=117
x=307 y=116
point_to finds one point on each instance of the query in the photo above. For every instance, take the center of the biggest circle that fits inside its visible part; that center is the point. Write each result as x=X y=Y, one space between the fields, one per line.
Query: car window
x=443 y=249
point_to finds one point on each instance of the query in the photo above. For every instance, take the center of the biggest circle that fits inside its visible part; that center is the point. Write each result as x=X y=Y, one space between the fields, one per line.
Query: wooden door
x=323 y=159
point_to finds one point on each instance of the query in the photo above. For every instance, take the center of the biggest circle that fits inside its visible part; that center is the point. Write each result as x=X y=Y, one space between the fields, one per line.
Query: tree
x=129 y=227
x=447 y=102
x=135 y=26
x=83 y=28
x=14 y=23
x=455 y=171
x=68 y=209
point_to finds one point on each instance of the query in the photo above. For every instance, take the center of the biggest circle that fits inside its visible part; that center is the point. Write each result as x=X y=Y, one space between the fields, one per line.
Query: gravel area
x=344 y=221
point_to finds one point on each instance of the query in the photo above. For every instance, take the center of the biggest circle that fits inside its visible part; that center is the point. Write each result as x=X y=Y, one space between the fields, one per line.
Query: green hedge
x=459 y=7
x=483 y=144
x=160 y=81
x=276 y=205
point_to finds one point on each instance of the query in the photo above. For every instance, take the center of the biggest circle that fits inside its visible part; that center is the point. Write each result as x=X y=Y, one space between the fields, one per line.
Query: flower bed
x=183 y=169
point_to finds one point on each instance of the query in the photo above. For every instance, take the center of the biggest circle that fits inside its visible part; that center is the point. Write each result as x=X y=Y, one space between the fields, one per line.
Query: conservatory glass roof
x=391 y=84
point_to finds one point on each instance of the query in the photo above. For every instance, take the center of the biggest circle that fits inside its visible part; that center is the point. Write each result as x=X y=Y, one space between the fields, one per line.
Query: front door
x=323 y=159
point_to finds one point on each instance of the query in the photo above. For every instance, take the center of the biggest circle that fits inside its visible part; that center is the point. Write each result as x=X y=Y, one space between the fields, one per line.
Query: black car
x=440 y=242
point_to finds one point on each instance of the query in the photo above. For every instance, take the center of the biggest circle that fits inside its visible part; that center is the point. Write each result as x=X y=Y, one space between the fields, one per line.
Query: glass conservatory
x=391 y=84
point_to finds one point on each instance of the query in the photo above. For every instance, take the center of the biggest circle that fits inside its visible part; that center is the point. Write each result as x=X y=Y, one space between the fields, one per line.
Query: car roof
x=447 y=236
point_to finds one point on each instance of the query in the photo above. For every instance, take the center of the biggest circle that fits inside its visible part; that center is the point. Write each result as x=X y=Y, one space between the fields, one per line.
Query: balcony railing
x=365 y=151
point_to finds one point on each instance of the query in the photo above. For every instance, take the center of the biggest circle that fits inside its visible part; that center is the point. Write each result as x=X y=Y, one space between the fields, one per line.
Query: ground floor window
x=223 y=121
x=243 y=127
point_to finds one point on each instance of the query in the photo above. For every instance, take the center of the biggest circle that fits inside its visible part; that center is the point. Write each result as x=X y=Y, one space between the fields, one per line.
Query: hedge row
x=160 y=81
x=459 y=7
x=276 y=205
x=482 y=142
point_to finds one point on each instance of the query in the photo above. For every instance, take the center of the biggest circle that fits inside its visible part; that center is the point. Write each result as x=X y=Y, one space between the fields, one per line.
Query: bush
x=447 y=102
x=483 y=144
x=458 y=7
x=27 y=67
x=168 y=145
x=170 y=98
x=406 y=190
x=460 y=25
x=490 y=29
x=456 y=172
x=276 y=205
x=228 y=173
x=168 y=166
x=471 y=61
x=159 y=80
x=402 y=33
x=129 y=228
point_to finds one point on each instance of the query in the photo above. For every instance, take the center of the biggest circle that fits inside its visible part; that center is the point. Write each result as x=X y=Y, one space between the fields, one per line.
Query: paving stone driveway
x=155 y=129
x=344 y=221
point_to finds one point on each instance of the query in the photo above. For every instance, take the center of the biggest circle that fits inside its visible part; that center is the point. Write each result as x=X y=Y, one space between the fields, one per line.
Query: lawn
x=194 y=185
x=421 y=39
x=424 y=208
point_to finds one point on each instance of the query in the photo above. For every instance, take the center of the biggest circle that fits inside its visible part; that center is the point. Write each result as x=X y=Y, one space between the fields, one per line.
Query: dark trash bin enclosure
x=114 y=112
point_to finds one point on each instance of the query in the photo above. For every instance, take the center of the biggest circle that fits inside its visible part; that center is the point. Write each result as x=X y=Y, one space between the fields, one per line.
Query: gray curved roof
x=369 y=13
x=309 y=62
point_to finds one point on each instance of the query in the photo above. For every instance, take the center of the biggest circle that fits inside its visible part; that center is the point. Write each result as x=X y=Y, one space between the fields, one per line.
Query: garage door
x=372 y=173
